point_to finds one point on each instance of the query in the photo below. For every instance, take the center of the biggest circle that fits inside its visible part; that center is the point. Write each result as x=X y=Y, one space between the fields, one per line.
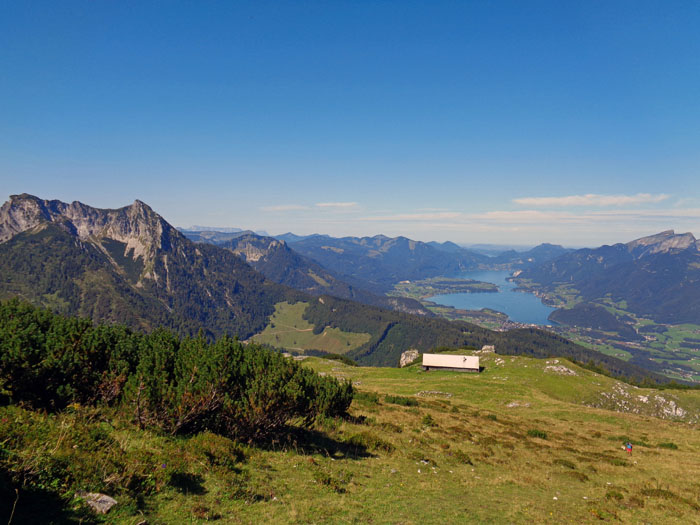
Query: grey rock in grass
x=100 y=503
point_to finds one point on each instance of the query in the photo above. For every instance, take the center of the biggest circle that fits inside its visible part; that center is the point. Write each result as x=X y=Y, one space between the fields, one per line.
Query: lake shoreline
x=521 y=306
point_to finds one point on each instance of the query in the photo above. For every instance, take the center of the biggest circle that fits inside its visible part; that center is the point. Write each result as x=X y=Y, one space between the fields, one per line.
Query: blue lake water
x=521 y=307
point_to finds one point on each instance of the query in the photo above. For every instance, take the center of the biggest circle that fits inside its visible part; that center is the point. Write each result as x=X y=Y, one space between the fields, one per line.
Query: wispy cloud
x=571 y=227
x=285 y=207
x=413 y=217
x=336 y=205
x=519 y=217
x=592 y=199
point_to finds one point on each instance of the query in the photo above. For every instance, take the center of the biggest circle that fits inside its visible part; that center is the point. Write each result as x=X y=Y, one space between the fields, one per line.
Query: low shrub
x=668 y=495
x=579 y=476
x=402 y=401
x=670 y=445
x=428 y=421
x=565 y=463
x=614 y=495
x=337 y=482
x=367 y=398
x=181 y=386
x=369 y=441
x=420 y=457
x=244 y=392
x=390 y=427
x=462 y=457
x=537 y=433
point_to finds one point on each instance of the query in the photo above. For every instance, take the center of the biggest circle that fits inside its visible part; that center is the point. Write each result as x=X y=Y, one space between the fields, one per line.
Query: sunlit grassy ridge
x=514 y=444
x=288 y=329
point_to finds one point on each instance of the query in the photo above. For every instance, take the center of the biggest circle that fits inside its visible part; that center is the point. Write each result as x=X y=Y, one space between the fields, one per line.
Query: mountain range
x=656 y=276
x=277 y=262
x=377 y=263
x=130 y=266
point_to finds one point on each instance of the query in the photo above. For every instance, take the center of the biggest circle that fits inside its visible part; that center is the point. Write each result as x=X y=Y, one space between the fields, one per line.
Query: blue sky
x=481 y=121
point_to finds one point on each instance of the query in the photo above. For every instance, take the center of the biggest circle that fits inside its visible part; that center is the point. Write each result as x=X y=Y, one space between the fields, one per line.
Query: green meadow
x=522 y=442
x=288 y=329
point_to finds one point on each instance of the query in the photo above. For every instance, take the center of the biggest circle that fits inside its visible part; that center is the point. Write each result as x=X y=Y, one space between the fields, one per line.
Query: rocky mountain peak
x=140 y=228
x=253 y=247
x=664 y=242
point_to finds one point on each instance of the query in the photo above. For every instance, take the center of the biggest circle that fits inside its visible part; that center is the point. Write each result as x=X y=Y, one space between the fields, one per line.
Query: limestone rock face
x=253 y=248
x=408 y=357
x=141 y=230
x=664 y=242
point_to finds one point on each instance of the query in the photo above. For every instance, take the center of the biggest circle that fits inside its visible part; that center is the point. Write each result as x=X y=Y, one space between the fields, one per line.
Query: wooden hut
x=457 y=363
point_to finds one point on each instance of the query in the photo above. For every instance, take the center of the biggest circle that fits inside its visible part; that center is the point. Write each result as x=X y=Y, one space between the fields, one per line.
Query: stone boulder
x=100 y=503
x=408 y=357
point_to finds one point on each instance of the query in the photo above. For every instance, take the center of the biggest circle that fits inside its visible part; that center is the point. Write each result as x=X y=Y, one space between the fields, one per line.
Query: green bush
x=369 y=441
x=537 y=433
x=428 y=421
x=614 y=495
x=367 y=398
x=462 y=457
x=337 y=357
x=48 y=361
x=181 y=386
x=400 y=400
x=240 y=391
x=669 y=445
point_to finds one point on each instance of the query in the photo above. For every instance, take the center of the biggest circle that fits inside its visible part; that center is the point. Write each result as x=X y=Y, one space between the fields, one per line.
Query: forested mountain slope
x=128 y=265
x=379 y=262
x=281 y=264
x=656 y=276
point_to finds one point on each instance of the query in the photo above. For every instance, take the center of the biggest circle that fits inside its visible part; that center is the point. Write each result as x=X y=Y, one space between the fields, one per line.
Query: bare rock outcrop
x=100 y=503
x=408 y=357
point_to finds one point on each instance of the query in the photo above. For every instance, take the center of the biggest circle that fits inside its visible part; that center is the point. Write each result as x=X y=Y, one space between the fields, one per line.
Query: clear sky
x=575 y=122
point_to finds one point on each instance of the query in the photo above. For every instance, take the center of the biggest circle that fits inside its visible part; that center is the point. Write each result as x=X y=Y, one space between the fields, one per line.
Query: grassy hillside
x=288 y=329
x=514 y=444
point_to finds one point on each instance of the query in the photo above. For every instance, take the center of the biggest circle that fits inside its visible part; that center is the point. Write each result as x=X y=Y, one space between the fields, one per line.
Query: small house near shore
x=456 y=363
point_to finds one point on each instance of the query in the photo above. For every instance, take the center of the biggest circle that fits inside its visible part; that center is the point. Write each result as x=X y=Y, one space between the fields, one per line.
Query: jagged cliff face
x=127 y=265
x=253 y=248
x=142 y=232
x=664 y=242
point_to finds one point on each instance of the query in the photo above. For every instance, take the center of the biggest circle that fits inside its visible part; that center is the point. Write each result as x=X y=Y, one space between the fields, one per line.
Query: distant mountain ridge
x=281 y=264
x=128 y=265
x=657 y=276
x=379 y=262
x=539 y=254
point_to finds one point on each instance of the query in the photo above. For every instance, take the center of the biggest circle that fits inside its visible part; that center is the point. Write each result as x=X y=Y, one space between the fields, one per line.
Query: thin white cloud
x=336 y=205
x=412 y=217
x=541 y=220
x=285 y=207
x=592 y=199
x=579 y=227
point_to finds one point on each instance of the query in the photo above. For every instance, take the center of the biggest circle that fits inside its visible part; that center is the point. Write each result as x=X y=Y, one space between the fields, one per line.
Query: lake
x=521 y=307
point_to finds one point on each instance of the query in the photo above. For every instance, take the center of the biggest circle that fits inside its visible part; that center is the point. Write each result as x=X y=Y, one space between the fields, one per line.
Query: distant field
x=288 y=329
x=440 y=285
